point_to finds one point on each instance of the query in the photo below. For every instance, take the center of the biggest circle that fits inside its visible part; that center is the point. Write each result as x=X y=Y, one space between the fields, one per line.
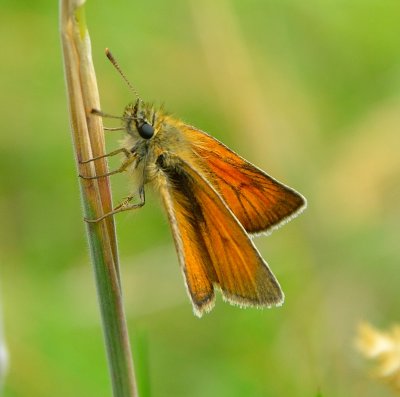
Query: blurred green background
x=308 y=91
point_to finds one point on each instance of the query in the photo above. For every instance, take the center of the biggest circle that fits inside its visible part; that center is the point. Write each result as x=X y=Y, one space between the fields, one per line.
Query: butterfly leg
x=122 y=168
x=113 y=153
x=123 y=206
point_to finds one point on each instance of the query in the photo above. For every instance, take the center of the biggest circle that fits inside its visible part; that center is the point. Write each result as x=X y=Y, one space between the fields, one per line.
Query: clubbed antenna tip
x=116 y=65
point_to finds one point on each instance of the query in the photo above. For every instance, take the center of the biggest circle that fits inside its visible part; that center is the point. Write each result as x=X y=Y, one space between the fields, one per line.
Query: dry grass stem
x=88 y=142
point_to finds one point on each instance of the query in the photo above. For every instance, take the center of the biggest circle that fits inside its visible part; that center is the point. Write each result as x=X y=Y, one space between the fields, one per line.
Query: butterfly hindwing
x=213 y=247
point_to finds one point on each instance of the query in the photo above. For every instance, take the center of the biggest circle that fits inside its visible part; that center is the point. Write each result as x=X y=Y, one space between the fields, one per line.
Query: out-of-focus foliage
x=383 y=347
x=308 y=91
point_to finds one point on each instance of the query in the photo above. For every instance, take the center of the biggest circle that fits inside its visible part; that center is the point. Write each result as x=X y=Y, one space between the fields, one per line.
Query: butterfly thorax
x=166 y=146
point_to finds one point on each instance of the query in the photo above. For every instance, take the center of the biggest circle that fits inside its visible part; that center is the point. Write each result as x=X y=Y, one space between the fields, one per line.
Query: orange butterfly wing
x=213 y=248
x=259 y=202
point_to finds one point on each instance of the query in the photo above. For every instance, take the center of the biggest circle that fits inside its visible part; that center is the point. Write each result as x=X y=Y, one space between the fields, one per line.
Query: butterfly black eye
x=146 y=131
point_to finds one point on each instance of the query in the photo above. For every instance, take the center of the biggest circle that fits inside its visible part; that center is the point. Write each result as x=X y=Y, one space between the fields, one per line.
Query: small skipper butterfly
x=214 y=199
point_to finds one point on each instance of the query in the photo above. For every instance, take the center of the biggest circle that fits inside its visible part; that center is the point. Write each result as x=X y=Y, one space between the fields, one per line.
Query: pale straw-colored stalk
x=88 y=142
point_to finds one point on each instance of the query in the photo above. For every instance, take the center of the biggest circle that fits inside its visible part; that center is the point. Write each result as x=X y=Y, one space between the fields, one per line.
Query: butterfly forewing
x=214 y=248
x=259 y=202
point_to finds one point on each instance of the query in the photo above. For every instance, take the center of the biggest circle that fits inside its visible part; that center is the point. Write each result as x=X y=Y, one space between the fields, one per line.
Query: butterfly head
x=140 y=119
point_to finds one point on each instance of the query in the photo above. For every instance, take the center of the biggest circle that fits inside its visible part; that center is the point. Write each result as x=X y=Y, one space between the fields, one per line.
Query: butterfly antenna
x=115 y=64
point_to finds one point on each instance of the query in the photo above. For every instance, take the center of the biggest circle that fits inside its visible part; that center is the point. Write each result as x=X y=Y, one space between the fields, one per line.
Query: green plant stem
x=88 y=141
